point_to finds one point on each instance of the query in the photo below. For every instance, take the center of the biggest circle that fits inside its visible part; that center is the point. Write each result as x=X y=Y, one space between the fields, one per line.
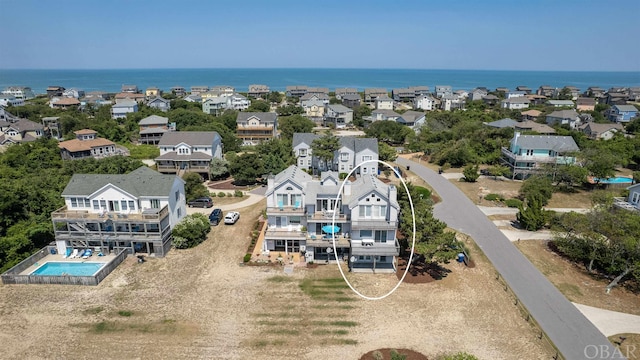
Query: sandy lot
x=200 y=303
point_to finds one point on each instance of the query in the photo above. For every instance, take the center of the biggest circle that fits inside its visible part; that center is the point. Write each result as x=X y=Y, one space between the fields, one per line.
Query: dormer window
x=289 y=188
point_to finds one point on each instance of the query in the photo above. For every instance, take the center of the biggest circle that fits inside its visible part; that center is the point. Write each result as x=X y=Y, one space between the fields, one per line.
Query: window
x=155 y=203
x=383 y=258
x=74 y=202
x=294 y=220
x=95 y=205
x=365 y=234
x=131 y=205
x=282 y=199
x=303 y=152
x=635 y=197
x=123 y=205
x=367 y=158
x=365 y=211
x=179 y=212
x=103 y=204
x=365 y=170
x=296 y=200
x=380 y=236
x=177 y=195
x=344 y=156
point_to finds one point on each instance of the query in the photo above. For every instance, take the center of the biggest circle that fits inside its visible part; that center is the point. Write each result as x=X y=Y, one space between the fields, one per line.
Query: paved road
x=569 y=330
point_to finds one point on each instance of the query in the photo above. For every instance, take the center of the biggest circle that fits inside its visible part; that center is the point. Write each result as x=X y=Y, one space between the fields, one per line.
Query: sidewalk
x=610 y=322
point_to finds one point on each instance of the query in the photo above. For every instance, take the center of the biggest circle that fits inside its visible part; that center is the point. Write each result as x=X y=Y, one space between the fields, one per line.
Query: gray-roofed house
x=371 y=94
x=351 y=100
x=622 y=113
x=20 y=131
x=197 y=90
x=442 y=90
x=598 y=131
x=134 y=212
x=258 y=91
x=564 y=117
x=515 y=103
x=528 y=125
x=299 y=208
x=314 y=106
x=122 y=108
x=490 y=99
x=383 y=102
x=351 y=153
x=188 y=151
x=255 y=127
x=478 y=93
x=546 y=90
x=296 y=90
x=383 y=115
x=424 y=102
x=341 y=92
x=159 y=103
x=560 y=103
x=412 y=119
x=528 y=154
x=502 y=123
x=338 y=115
x=525 y=89
x=152 y=128
x=450 y=102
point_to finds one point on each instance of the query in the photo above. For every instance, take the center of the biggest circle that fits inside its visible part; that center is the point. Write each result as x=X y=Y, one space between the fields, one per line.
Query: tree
x=324 y=149
x=532 y=217
x=388 y=131
x=190 y=231
x=471 y=173
x=539 y=187
x=386 y=153
x=600 y=164
x=497 y=170
x=276 y=155
x=564 y=94
x=294 y=124
x=275 y=97
x=288 y=110
x=569 y=175
x=247 y=168
x=193 y=187
x=259 y=106
x=219 y=168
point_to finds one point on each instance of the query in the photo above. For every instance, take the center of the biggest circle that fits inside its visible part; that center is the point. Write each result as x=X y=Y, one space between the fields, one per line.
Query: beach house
x=528 y=154
x=87 y=144
x=255 y=127
x=350 y=154
x=152 y=128
x=188 y=151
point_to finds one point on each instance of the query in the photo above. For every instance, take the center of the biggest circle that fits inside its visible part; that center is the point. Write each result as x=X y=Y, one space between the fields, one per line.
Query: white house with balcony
x=424 y=102
x=352 y=152
x=122 y=108
x=301 y=211
x=338 y=115
x=528 y=154
x=133 y=212
x=188 y=151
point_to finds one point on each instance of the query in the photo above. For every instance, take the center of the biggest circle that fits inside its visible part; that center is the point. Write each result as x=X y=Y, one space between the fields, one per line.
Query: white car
x=231 y=217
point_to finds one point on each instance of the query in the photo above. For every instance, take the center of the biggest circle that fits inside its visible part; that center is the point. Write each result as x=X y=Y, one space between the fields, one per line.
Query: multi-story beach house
x=19 y=92
x=383 y=102
x=372 y=94
x=314 y=106
x=338 y=115
x=585 y=104
x=52 y=127
x=73 y=93
x=527 y=154
x=301 y=210
x=564 y=117
x=54 y=91
x=597 y=131
x=351 y=100
x=296 y=90
x=122 y=108
x=412 y=119
x=159 y=103
x=125 y=96
x=178 y=91
x=131 y=89
x=255 y=127
x=188 y=151
x=20 y=131
x=216 y=105
x=622 y=113
x=424 y=102
x=341 y=92
x=442 y=90
x=258 y=91
x=352 y=152
x=152 y=92
x=133 y=212
x=197 y=90
x=87 y=144
x=546 y=90
x=515 y=103
x=10 y=100
x=152 y=128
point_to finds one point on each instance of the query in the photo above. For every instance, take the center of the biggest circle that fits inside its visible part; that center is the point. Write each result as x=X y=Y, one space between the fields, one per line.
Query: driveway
x=571 y=332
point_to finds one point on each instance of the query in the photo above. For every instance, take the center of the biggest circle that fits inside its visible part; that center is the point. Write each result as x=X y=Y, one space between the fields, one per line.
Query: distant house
x=55 y=91
x=530 y=114
x=490 y=99
x=451 y=102
x=478 y=93
x=221 y=90
x=515 y=94
x=384 y=115
x=188 y=151
x=121 y=109
x=564 y=117
x=296 y=90
x=96 y=98
x=502 y=90
x=524 y=89
x=338 y=115
x=622 y=113
x=178 y=91
x=258 y=91
x=408 y=94
x=152 y=128
x=594 y=92
x=152 y=92
x=160 y=104
x=131 y=89
x=19 y=92
x=64 y=103
x=574 y=92
x=197 y=90
x=598 y=131
x=352 y=152
x=216 y=105
x=255 y=127
x=383 y=102
x=318 y=90
x=351 y=100
x=134 y=212
x=442 y=90
x=314 y=106
x=73 y=93
x=632 y=202
x=502 y=123
x=193 y=98
x=124 y=96
x=52 y=127
x=412 y=119
x=515 y=103
x=239 y=102
x=371 y=94
x=585 y=104
x=424 y=102
x=536 y=99
x=529 y=125
x=546 y=90
x=528 y=154
x=87 y=144
x=341 y=92
x=616 y=98
x=560 y=103
x=20 y=131
x=10 y=100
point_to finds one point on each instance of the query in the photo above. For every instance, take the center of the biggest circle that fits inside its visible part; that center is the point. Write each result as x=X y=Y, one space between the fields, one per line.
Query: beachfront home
x=585 y=104
x=73 y=93
x=515 y=103
x=314 y=105
x=20 y=131
x=412 y=119
x=515 y=94
x=54 y=91
x=133 y=212
x=197 y=90
x=564 y=117
x=341 y=92
x=19 y=92
x=597 y=131
x=560 y=103
x=442 y=90
x=424 y=102
x=351 y=100
x=258 y=91
x=160 y=104
x=408 y=94
x=527 y=154
x=152 y=128
x=296 y=90
x=300 y=211
x=524 y=89
x=338 y=115
x=352 y=152
x=178 y=91
x=131 y=89
x=594 y=92
x=87 y=144
x=622 y=113
x=478 y=93
x=152 y=92
x=188 y=151
x=371 y=94
x=546 y=90
x=122 y=108
x=10 y=100
x=255 y=127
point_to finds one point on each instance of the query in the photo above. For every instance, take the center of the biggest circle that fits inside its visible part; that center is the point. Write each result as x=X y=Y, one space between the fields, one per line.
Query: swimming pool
x=68 y=268
x=614 y=180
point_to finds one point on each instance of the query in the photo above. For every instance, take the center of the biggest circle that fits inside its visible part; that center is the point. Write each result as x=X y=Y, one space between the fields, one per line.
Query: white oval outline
x=333 y=224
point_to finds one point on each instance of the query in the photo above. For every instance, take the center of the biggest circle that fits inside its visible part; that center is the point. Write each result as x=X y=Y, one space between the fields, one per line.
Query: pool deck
x=59 y=258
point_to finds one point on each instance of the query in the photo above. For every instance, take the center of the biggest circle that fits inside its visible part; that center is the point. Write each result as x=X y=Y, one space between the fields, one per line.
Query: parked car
x=231 y=217
x=215 y=217
x=203 y=202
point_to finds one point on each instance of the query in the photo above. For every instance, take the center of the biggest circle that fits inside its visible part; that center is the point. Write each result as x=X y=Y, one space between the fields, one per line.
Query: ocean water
x=278 y=79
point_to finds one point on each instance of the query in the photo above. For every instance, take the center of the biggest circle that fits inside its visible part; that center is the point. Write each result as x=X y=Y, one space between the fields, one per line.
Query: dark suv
x=204 y=202
x=215 y=217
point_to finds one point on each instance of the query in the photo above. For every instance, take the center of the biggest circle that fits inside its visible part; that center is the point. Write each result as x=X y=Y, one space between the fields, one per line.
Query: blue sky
x=501 y=35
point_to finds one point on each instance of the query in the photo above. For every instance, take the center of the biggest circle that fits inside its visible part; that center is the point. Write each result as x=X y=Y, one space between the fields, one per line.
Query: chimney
x=271 y=179
x=393 y=194
x=346 y=190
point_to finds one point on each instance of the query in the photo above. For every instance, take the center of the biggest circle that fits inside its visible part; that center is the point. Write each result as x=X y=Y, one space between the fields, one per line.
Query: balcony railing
x=326 y=240
x=537 y=158
x=326 y=215
x=149 y=215
x=370 y=247
x=285 y=210
x=623 y=204
x=370 y=224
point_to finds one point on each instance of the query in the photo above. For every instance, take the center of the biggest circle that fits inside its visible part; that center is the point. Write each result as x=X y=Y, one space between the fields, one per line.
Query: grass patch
x=283 y=332
x=569 y=290
x=105 y=326
x=93 y=310
x=335 y=323
x=165 y=326
x=279 y=279
x=125 y=313
x=339 y=342
x=329 y=332
x=341 y=307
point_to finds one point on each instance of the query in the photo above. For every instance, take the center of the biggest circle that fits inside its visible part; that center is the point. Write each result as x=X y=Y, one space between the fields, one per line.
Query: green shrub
x=395 y=355
x=222 y=194
x=343 y=175
x=513 y=203
x=213 y=194
x=459 y=356
x=238 y=193
x=247 y=258
x=494 y=197
x=470 y=173
x=125 y=313
x=190 y=231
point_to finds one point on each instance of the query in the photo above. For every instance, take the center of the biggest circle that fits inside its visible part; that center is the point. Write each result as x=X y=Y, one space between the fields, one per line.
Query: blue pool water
x=68 y=268
x=614 y=180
